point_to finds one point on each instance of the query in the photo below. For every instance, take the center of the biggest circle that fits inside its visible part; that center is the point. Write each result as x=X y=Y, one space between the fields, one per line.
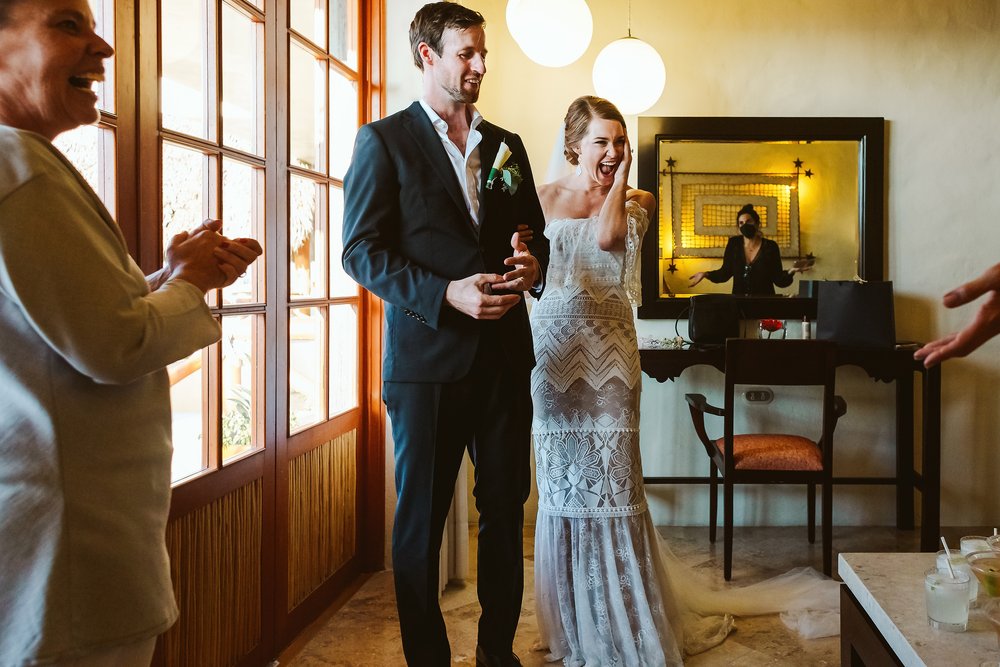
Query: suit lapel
x=487 y=151
x=426 y=137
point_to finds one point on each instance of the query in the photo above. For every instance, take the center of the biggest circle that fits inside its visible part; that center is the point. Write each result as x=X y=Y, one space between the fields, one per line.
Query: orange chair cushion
x=766 y=451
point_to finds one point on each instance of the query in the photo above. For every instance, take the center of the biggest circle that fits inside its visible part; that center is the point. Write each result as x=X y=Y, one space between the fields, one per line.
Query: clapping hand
x=208 y=260
x=984 y=325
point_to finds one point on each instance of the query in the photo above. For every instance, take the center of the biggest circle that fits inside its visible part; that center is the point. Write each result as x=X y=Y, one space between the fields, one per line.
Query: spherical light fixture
x=630 y=73
x=552 y=33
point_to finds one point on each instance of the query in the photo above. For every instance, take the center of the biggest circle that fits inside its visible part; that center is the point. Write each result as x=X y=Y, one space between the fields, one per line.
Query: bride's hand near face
x=621 y=174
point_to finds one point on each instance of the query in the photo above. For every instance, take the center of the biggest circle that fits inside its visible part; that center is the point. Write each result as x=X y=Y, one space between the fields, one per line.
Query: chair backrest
x=782 y=362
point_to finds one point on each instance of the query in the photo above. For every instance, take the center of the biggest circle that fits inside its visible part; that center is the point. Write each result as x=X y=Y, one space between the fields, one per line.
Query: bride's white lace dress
x=603 y=588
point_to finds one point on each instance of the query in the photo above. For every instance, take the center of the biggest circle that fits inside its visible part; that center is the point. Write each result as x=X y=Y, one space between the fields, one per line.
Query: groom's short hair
x=433 y=19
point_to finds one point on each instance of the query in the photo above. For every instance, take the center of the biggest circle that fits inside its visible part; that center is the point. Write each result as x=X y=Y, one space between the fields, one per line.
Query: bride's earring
x=579 y=170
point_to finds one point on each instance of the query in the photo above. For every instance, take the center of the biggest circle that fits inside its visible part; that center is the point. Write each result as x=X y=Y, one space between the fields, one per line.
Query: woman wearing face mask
x=752 y=261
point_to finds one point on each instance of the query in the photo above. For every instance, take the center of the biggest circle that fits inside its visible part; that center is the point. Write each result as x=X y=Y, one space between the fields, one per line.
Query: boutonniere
x=509 y=175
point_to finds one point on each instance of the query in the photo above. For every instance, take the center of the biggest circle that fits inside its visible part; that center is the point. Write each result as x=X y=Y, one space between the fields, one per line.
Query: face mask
x=748 y=230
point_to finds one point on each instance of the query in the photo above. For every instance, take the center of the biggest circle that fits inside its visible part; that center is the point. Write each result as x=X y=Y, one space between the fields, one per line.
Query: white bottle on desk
x=806 y=332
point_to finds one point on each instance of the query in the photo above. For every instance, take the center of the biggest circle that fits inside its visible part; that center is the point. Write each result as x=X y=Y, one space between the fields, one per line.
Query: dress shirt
x=468 y=167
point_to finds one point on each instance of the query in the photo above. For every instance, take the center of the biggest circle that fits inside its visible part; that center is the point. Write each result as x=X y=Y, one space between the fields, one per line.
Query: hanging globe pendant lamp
x=553 y=33
x=630 y=73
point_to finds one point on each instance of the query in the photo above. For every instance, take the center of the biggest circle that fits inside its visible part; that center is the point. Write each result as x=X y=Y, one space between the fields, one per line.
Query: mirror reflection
x=816 y=183
x=805 y=195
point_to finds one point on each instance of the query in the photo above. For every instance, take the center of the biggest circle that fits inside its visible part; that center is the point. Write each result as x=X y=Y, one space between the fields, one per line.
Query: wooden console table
x=883 y=617
x=885 y=365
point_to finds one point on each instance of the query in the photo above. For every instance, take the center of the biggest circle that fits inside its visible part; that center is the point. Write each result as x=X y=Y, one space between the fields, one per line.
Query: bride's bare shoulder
x=549 y=196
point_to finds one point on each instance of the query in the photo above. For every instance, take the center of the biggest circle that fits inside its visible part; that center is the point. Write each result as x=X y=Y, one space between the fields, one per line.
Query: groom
x=430 y=227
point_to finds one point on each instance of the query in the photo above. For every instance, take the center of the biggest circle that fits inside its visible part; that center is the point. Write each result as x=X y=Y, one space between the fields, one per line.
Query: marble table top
x=890 y=588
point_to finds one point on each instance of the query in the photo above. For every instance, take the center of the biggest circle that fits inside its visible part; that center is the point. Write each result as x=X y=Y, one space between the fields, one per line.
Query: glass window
x=307 y=92
x=189 y=407
x=242 y=79
x=240 y=390
x=344 y=32
x=340 y=283
x=325 y=109
x=306 y=367
x=91 y=149
x=343 y=122
x=343 y=358
x=307 y=239
x=243 y=216
x=186 y=104
x=104 y=17
x=308 y=18
x=185 y=175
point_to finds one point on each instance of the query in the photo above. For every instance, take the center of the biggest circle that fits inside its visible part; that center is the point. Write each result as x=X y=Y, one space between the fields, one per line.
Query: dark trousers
x=489 y=413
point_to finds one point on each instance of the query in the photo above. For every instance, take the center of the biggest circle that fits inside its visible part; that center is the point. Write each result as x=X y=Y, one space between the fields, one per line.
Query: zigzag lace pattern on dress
x=586 y=383
x=583 y=325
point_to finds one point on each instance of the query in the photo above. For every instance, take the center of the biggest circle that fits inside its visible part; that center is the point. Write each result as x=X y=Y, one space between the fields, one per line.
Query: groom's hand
x=527 y=274
x=473 y=297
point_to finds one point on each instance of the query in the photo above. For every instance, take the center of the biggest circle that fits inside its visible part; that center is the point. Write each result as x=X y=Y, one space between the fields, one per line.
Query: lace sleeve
x=637 y=221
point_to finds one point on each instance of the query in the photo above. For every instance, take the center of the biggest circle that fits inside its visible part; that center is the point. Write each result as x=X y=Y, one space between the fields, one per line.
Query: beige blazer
x=85 y=444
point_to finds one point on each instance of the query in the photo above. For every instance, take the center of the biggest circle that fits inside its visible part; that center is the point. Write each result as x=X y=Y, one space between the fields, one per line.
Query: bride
x=607 y=591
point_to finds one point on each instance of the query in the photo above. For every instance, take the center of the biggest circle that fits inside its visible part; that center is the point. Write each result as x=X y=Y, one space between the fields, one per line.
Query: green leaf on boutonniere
x=511 y=177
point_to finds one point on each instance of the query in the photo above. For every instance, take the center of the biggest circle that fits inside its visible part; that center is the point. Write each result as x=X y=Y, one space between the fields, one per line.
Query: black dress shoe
x=484 y=659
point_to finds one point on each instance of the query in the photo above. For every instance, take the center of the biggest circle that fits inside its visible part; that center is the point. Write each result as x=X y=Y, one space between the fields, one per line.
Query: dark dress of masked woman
x=752 y=261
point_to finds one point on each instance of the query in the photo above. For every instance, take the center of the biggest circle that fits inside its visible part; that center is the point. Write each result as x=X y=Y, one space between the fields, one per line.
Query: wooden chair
x=762 y=458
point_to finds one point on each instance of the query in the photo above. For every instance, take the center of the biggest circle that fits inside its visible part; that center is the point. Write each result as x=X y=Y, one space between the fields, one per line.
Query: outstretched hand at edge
x=984 y=326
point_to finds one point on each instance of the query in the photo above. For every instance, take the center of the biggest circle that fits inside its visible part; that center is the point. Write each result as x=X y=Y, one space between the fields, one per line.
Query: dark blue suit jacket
x=408 y=233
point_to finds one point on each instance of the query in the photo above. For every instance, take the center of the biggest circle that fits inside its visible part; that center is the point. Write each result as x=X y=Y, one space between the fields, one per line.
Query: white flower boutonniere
x=509 y=175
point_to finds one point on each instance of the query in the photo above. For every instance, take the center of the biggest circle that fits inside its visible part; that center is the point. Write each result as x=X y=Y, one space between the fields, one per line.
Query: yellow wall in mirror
x=828 y=204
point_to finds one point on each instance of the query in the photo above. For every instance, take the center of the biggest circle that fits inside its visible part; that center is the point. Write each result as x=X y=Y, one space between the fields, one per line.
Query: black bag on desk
x=856 y=313
x=712 y=318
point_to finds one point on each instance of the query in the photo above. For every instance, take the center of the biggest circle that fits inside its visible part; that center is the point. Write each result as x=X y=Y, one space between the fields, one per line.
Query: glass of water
x=960 y=564
x=947 y=599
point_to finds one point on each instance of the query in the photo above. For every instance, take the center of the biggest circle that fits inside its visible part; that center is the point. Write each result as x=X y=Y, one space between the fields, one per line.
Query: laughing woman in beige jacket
x=85 y=443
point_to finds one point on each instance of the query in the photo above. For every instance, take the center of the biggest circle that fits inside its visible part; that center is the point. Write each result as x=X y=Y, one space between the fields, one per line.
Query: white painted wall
x=932 y=69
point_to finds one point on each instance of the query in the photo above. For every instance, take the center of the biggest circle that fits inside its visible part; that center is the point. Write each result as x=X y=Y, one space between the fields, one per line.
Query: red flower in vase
x=771 y=325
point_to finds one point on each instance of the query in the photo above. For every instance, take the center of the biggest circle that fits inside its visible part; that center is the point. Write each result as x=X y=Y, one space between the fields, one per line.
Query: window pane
x=104 y=17
x=344 y=31
x=91 y=149
x=308 y=109
x=239 y=390
x=242 y=216
x=242 y=81
x=343 y=358
x=188 y=403
x=306 y=368
x=184 y=87
x=308 y=18
x=343 y=122
x=184 y=179
x=340 y=283
x=307 y=239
